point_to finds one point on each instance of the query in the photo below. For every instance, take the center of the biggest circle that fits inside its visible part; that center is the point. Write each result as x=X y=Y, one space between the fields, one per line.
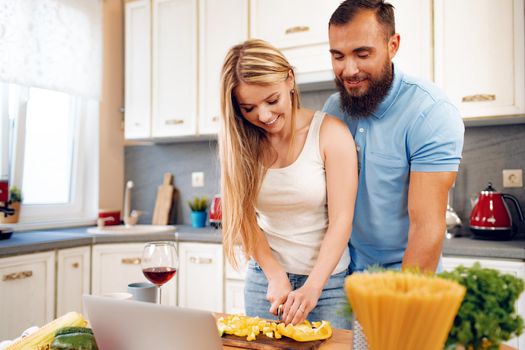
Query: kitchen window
x=52 y=153
x=50 y=85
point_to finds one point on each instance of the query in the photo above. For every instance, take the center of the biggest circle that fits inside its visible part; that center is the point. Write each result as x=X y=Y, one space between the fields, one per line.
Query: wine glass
x=159 y=263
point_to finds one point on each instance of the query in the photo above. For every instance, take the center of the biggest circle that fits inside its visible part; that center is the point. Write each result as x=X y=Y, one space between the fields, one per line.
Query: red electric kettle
x=490 y=218
x=216 y=211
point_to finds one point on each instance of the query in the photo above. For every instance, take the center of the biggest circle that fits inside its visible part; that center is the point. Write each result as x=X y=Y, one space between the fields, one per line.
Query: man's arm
x=427 y=204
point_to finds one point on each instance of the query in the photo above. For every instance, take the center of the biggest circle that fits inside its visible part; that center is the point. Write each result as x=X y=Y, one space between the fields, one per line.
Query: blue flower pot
x=198 y=218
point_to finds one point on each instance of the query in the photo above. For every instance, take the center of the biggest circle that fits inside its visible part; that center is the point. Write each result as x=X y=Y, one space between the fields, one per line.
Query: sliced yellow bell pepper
x=251 y=327
x=305 y=332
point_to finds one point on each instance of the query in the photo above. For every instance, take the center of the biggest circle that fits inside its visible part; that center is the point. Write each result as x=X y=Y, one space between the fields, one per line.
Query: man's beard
x=363 y=106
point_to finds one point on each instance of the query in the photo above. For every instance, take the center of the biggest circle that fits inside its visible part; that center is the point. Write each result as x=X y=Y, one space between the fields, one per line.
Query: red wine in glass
x=159 y=275
x=159 y=263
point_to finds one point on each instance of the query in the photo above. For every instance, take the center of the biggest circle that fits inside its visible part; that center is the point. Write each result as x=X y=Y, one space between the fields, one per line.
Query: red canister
x=110 y=216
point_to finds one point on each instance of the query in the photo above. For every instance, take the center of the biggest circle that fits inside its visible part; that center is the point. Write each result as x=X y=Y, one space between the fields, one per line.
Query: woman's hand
x=278 y=290
x=299 y=304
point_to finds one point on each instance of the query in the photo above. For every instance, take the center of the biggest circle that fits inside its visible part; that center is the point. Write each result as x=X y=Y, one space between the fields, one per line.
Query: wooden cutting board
x=164 y=201
x=264 y=343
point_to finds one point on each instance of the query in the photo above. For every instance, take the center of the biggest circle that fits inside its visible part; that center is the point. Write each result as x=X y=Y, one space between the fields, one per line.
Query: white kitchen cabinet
x=300 y=29
x=161 y=68
x=73 y=278
x=27 y=295
x=201 y=276
x=137 y=91
x=515 y=268
x=414 y=25
x=174 y=68
x=234 y=297
x=222 y=24
x=234 y=285
x=479 y=55
x=114 y=266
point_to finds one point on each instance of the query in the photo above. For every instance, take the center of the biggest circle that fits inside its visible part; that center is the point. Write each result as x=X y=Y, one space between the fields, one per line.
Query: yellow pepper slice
x=304 y=332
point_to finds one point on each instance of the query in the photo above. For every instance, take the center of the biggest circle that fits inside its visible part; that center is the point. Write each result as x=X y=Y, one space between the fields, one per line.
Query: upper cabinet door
x=222 y=24
x=300 y=29
x=414 y=25
x=480 y=55
x=174 y=68
x=138 y=70
x=292 y=23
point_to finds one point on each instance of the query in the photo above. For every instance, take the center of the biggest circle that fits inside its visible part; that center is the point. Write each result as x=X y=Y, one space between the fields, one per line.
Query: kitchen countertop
x=36 y=241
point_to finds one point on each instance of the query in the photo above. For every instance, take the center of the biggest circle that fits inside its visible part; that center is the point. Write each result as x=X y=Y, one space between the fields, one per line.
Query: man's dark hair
x=349 y=8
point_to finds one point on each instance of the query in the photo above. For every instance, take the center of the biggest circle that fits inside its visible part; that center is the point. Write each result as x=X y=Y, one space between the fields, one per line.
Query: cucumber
x=74 y=341
x=68 y=330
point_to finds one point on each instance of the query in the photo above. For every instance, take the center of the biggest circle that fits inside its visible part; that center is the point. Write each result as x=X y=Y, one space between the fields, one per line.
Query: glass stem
x=160 y=295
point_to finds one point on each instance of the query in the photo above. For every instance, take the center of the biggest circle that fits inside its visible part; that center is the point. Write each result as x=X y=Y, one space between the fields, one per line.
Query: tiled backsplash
x=487 y=151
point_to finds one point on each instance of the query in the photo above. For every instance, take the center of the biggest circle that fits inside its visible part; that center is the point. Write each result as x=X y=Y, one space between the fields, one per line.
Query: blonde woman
x=289 y=182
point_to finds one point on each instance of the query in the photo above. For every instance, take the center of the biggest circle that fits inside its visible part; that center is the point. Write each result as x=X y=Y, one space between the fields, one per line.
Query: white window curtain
x=52 y=44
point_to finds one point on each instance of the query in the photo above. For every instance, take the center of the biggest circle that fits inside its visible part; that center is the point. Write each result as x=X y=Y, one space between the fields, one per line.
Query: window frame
x=81 y=208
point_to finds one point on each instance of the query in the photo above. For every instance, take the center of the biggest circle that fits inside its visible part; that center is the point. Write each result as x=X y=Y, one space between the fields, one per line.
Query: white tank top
x=292 y=210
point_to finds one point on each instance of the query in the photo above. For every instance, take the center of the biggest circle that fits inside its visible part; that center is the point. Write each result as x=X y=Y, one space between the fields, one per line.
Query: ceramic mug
x=143 y=291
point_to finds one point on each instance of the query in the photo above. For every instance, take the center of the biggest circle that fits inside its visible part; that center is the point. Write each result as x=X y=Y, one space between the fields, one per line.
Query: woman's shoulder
x=332 y=123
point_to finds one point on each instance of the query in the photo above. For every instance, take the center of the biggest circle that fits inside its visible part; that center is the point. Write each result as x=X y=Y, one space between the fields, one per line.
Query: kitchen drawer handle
x=297 y=29
x=174 y=121
x=17 y=275
x=131 y=261
x=215 y=119
x=479 y=98
x=201 y=261
x=75 y=265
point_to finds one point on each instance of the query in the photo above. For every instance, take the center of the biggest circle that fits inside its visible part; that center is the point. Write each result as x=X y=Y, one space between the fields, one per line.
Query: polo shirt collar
x=391 y=96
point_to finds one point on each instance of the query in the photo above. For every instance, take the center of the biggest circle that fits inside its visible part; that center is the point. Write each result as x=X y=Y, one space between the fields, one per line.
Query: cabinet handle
x=137 y=124
x=479 y=98
x=174 y=122
x=215 y=119
x=131 y=261
x=201 y=261
x=297 y=29
x=17 y=275
x=75 y=265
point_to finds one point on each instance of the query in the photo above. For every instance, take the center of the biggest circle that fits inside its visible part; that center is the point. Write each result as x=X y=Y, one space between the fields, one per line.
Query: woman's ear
x=291 y=79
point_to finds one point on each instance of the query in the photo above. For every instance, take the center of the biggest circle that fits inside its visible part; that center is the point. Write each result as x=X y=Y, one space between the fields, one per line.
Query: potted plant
x=15 y=200
x=198 y=208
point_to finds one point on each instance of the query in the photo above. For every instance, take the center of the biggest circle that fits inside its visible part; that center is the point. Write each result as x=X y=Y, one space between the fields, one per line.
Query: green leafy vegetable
x=487 y=316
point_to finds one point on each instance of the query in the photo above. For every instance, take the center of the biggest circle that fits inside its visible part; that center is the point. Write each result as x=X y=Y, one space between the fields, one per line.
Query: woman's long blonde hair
x=243 y=147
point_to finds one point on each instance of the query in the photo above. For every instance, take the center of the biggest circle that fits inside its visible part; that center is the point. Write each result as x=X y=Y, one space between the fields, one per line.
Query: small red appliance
x=4 y=191
x=110 y=217
x=490 y=218
x=216 y=211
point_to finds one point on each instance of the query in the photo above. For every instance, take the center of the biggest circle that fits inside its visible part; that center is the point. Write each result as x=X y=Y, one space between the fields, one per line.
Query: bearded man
x=409 y=139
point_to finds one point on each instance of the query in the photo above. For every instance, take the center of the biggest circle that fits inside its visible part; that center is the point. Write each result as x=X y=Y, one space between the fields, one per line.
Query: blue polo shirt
x=415 y=128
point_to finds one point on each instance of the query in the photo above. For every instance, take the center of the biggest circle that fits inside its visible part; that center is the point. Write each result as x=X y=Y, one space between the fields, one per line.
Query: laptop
x=135 y=325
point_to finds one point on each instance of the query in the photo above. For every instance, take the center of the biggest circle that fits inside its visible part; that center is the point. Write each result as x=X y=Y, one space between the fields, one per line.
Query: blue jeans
x=330 y=306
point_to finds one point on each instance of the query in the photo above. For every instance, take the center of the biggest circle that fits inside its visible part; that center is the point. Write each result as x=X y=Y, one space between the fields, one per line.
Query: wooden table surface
x=342 y=340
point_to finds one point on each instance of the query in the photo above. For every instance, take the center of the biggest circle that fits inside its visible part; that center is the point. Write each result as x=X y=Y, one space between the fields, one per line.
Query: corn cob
x=42 y=338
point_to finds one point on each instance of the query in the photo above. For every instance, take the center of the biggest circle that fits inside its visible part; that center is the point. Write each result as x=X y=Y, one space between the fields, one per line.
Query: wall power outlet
x=513 y=178
x=197 y=179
